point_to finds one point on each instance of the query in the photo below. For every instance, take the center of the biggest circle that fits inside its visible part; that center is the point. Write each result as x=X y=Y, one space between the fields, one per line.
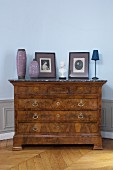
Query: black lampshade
x=95 y=55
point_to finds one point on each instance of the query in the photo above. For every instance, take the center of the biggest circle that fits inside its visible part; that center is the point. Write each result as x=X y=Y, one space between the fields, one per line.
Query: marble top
x=57 y=80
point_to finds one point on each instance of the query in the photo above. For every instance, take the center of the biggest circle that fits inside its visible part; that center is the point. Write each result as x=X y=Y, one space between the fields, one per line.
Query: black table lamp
x=95 y=56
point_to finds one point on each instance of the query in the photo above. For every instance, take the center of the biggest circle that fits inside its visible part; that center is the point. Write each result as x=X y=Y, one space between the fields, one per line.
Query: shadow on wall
x=107 y=91
x=29 y=59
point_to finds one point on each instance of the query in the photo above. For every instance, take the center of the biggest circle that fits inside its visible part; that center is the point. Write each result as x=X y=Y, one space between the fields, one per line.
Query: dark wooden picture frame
x=78 y=65
x=47 y=64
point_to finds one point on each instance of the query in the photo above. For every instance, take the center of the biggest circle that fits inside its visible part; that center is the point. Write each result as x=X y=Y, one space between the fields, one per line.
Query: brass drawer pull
x=80 y=116
x=57 y=115
x=58 y=127
x=35 y=116
x=34 y=104
x=81 y=104
x=35 y=129
x=57 y=103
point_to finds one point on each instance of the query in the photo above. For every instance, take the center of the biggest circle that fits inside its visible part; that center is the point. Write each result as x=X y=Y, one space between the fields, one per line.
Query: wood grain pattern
x=57 y=112
x=58 y=116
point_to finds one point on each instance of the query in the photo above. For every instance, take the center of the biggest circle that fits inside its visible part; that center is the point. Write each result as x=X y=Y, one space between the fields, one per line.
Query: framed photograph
x=78 y=65
x=47 y=64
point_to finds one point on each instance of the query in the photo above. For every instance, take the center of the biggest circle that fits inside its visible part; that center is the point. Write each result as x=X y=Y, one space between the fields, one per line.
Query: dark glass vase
x=21 y=63
x=34 y=69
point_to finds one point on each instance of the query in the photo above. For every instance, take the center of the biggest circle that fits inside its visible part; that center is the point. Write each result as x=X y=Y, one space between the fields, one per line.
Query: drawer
x=57 y=116
x=57 y=104
x=30 y=90
x=52 y=128
x=85 y=90
x=57 y=88
x=42 y=89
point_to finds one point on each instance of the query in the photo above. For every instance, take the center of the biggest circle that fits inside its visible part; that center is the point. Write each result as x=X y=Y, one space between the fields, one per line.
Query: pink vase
x=34 y=69
x=21 y=63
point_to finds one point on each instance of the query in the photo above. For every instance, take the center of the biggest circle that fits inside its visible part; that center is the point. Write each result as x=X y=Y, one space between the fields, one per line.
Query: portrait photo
x=78 y=65
x=45 y=65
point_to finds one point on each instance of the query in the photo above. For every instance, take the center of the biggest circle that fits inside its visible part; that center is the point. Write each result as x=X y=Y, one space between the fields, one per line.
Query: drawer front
x=61 y=128
x=57 y=104
x=57 y=116
x=54 y=89
x=30 y=90
x=85 y=90
x=42 y=89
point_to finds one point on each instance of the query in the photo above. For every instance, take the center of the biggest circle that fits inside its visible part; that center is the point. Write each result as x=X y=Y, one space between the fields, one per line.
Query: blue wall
x=59 y=26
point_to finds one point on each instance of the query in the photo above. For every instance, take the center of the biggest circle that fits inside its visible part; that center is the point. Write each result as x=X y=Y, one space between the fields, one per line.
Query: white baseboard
x=6 y=136
x=108 y=135
x=11 y=134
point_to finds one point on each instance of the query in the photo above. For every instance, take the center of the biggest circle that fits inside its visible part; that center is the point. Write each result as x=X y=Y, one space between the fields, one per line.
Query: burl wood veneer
x=57 y=112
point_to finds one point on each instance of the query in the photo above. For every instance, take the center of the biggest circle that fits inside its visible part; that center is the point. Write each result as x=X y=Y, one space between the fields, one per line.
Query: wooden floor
x=76 y=157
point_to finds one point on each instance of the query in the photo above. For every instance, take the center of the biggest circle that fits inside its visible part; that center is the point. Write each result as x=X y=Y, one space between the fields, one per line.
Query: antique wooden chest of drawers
x=57 y=112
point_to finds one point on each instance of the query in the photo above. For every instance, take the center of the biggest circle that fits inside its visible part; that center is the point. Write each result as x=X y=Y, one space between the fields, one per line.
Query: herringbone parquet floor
x=71 y=157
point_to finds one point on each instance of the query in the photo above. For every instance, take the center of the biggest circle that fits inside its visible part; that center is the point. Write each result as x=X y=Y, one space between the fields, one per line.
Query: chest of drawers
x=57 y=112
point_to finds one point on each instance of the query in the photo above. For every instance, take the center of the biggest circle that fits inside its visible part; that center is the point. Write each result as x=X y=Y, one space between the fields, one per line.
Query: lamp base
x=95 y=78
x=62 y=78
